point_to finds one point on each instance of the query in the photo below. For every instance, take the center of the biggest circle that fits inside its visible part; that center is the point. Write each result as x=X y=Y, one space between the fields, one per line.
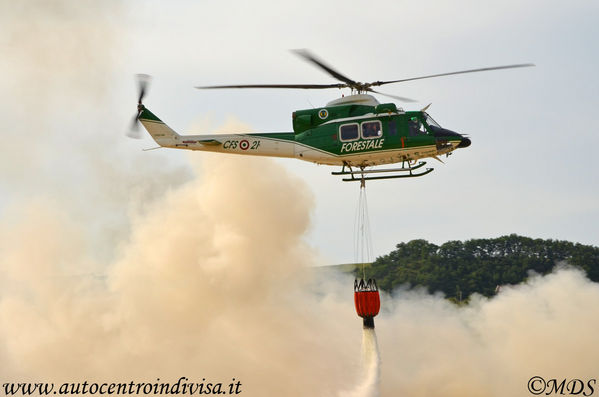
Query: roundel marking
x=323 y=113
x=244 y=145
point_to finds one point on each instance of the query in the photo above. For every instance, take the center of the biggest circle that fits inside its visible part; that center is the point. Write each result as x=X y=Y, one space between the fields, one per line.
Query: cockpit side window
x=416 y=127
x=430 y=121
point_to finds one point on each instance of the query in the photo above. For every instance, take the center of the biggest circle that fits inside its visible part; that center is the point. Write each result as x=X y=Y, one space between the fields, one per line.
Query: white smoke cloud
x=493 y=346
x=215 y=282
x=62 y=126
x=210 y=283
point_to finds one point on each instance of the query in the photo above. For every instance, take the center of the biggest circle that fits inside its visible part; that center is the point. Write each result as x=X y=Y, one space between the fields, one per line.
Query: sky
x=529 y=169
x=118 y=264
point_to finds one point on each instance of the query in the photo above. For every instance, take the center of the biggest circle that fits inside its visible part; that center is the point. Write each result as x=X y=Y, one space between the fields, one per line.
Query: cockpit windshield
x=430 y=121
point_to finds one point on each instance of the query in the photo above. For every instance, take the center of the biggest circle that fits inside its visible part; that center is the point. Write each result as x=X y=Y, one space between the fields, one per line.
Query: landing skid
x=361 y=174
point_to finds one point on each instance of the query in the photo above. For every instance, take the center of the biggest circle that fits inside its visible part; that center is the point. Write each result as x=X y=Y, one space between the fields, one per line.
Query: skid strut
x=364 y=175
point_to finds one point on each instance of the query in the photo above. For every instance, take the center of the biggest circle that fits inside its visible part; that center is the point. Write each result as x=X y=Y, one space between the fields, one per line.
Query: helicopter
x=355 y=132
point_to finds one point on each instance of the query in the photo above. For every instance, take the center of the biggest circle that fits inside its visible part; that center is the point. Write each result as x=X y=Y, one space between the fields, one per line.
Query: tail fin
x=162 y=133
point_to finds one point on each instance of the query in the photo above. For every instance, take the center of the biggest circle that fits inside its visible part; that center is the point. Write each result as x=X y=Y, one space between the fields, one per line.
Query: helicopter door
x=392 y=127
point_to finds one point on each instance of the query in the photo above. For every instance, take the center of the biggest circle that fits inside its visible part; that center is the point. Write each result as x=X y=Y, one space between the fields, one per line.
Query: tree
x=459 y=269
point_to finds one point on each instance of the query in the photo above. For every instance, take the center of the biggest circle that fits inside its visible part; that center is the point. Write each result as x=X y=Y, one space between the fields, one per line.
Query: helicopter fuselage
x=350 y=131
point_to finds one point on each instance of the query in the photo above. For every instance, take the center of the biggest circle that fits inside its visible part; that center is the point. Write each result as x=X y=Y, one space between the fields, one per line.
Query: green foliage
x=459 y=269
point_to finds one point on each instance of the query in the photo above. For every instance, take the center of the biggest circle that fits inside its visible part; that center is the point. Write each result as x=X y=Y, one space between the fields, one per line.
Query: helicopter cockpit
x=416 y=127
x=441 y=133
x=420 y=128
x=430 y=121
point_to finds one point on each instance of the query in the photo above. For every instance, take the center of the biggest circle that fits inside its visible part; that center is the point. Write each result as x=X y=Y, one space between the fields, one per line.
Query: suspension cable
x=362 y=235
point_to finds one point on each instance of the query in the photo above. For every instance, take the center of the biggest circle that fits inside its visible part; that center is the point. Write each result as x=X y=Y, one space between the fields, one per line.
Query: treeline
x=459 y=269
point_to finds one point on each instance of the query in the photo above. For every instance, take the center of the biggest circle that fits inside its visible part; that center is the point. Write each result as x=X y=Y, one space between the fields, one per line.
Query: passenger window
x=349 y=132
x=371 y=129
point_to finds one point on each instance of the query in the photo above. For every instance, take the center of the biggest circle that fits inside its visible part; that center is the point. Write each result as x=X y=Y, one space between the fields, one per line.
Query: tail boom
x=272 y=145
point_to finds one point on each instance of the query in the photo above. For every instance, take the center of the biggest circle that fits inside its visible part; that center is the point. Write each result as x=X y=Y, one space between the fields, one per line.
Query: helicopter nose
x=445 y=133
x=439 y=132
x=464 y=143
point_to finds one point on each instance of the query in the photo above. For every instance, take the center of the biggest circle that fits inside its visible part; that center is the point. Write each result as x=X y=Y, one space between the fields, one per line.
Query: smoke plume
x=214 y=282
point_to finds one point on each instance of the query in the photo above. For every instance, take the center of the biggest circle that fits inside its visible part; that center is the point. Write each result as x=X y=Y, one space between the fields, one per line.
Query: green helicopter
x=355 y=132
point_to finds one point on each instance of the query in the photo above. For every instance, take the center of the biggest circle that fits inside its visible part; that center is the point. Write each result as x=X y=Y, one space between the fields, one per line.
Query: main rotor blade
x=311 y=58
x=306 y=86
x=523 y=65
x=399 y=98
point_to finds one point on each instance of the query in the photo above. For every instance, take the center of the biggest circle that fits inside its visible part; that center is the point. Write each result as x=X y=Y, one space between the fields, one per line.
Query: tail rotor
x=143 y=81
